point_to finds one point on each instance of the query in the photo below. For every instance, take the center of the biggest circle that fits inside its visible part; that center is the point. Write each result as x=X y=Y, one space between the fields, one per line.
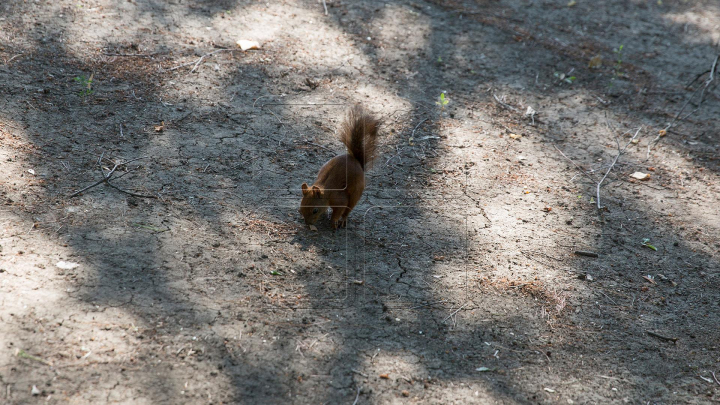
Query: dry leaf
x=245 y=44
x=515 y=136
x=385 y=376
x=439 y=258
x=572 y=3
x=640 y=176
x=161 y=127
x=313 y=228
x=595 y=62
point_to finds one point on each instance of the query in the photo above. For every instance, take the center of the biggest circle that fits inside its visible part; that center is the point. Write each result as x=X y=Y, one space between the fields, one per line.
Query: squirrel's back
x=359 y=134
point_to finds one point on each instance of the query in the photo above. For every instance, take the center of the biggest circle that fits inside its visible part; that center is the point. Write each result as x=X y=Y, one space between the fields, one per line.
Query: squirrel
x=341 y=181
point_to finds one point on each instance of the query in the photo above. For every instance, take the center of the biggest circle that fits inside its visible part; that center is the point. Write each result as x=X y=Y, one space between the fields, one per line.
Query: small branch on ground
x=416 y=127
x=598 y=184
x=585 y=253
x=659 y=336
x=583 y=171
x=132 y=55
x=504 y=104
x=620 y=152
x=455 y=312
x=13 y=58
x=678 y=117
x=107 y=177
x=197 y=62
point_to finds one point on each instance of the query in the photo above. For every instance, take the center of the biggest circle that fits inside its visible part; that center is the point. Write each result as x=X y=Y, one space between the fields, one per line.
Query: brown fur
x=358 y=133
x=341 y=181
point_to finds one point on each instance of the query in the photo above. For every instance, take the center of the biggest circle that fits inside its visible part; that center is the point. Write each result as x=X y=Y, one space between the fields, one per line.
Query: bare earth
x=456 y=280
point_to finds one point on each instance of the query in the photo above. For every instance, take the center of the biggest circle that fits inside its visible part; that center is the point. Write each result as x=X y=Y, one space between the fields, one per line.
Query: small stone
x=35 y=391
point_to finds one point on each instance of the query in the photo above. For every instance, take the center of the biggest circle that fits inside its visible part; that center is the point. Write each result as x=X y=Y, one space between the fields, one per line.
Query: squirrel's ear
x=316 y=191
x=304 y=188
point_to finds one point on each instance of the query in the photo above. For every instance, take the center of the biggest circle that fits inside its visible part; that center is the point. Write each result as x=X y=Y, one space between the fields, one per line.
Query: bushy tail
x=358 y=133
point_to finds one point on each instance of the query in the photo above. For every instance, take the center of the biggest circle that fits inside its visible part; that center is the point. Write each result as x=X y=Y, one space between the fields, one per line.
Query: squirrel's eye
x=315 y=210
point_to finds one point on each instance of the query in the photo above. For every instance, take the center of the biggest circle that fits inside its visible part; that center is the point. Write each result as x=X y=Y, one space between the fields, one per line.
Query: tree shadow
x=187 y=263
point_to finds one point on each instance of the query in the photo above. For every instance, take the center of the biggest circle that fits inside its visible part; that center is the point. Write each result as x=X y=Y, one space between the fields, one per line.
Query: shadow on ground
x=455 y=281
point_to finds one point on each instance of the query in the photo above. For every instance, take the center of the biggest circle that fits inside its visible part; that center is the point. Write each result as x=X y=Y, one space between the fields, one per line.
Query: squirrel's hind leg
x=346 y=212
x=337 y=214
x=344 y=217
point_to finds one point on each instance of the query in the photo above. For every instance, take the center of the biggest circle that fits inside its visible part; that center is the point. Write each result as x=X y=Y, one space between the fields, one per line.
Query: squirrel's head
x=313 y=204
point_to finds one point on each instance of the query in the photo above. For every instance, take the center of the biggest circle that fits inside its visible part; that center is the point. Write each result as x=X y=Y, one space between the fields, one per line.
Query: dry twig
x=416 y=127
x=620 y=152
x=583 y=171
x=659 y=336
x=678 y=117
x=106 y=178
x=132 y=55
x=598 y=184
x=197 y=63
x=455 y=312
x=506 y=105
x=13 y=58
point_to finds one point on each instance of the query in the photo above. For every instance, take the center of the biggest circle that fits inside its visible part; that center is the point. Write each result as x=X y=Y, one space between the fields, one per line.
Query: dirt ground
x=457 y=279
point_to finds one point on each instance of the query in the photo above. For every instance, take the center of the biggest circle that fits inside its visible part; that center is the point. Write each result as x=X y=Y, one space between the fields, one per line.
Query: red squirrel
x=341 y=181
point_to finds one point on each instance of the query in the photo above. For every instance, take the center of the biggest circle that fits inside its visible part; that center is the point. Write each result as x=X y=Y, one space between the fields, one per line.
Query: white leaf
x=640 y=176
x=245 y=44
x=67 y=265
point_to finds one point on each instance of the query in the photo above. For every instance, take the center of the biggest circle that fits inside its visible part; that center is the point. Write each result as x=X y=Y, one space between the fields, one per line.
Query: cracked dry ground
x=456 y=280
